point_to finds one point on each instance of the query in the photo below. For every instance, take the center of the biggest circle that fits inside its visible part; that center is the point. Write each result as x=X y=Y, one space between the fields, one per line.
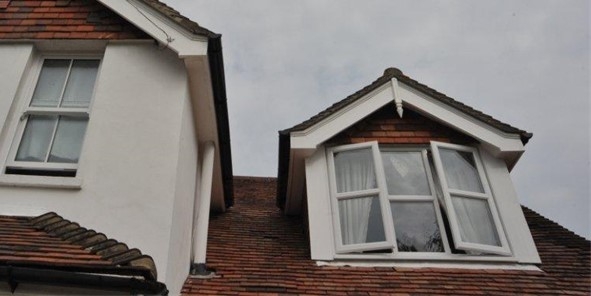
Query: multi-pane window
x=49 y=138
x=391 y=199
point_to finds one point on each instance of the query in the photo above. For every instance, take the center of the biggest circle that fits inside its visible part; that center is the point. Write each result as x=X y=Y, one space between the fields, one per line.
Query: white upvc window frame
x=379 y=191
x=417 y=198
x=28 y=110
x=504 y=249
x=440 y=195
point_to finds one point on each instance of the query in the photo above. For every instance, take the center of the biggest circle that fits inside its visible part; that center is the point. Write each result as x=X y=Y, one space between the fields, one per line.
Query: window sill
x=40 y=182
x=426 y=257
x=442 y=264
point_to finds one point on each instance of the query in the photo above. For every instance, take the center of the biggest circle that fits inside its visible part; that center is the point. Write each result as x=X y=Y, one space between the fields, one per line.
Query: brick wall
x=63 y=19
x=386 y=127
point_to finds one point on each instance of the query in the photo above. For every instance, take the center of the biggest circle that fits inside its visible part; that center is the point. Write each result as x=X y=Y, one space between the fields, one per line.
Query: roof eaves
x=181 y=20
x=97 y=252
x=390 y=73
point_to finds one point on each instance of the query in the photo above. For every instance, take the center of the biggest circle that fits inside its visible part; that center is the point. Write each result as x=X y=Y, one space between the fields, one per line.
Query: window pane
x=405 y=173
x=361 y=220
x=460 y=170
x=416 y=227
x=80 y=83
x=354 y=170
x=475 y=221
x=68 y=140
x=36 y=138
x=50 y=83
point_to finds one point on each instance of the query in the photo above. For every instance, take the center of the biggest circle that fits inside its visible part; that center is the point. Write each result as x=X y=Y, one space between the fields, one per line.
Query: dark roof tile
x=49 y=241
x=254 y=248
x=55 y=19
x=180 y=19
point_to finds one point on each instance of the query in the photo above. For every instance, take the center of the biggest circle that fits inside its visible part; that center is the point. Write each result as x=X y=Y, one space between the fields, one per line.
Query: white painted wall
x=179 y=253
x=14 y=59
x=319 y=210
x=138 y=161
x=509 y=208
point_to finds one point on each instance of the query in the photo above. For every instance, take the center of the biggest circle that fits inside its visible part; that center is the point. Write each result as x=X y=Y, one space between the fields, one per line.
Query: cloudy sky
x=524 y=62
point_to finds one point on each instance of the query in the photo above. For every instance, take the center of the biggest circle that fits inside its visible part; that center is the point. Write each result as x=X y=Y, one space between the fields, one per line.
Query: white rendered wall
x=509 y=208
x=13 y=62
x=319 y=210
x=130 y=157
x=179 y=254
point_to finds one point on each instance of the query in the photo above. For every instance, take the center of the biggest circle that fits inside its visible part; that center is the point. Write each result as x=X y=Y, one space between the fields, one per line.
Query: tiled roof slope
x=59 y=19
x=396 y=73
x=255 y=249
x=180 y=19
x=51 y=242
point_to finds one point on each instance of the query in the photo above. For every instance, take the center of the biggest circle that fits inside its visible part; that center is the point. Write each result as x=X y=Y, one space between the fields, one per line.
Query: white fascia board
x=499 y=143
x=503 y=142
x=159 y=27
x=342 y=119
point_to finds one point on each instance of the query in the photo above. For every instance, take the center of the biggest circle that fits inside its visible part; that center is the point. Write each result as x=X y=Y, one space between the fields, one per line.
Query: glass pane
x=50 y=83
x=36 y=138
x=361 y=220
x=354 y=170
x=80 y=83
x=475 y=221
x=460 y=170
x=68 y=140
x=405 y=173
x=416 y=227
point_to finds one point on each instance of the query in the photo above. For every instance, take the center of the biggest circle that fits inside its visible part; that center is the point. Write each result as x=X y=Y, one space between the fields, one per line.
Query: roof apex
x=393 y=72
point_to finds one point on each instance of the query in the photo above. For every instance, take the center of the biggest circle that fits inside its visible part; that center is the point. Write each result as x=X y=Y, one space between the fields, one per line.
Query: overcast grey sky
x=524 y=62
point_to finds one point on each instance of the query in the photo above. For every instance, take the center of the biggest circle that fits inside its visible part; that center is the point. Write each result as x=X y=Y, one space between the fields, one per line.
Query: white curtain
x=36 y=138
x=475 y=221
x=405 y=173
x=67 y=142
x=354 y=171
x=473 y=215
x=460 y=170
x=80 y=84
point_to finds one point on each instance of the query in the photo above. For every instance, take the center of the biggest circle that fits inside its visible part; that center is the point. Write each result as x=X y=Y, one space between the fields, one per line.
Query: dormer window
x=427 y=185
x=388 y=199
x=52 y=126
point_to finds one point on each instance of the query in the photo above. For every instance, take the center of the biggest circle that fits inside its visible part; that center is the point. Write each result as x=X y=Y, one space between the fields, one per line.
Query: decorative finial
x=399 y=108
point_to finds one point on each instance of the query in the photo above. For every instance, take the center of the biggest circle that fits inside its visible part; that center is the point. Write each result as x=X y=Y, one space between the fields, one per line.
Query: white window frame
x=379 y=191
x=26 y=110
x=418 y=198
x=487 y=196
x=352 y=251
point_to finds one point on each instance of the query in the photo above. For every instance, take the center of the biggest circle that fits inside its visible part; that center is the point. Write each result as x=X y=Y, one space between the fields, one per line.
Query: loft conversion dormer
x=399 y=172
